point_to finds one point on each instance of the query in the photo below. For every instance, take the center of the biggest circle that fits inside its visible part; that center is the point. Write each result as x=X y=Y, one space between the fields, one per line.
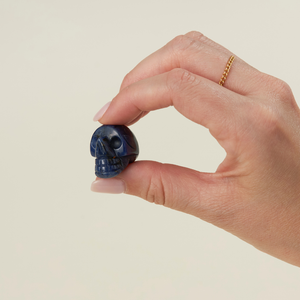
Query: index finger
x=195 y=97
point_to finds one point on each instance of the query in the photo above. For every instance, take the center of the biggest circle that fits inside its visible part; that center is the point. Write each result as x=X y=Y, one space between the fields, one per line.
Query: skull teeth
x=108 y=164
x=111 y=167
x=106 y=161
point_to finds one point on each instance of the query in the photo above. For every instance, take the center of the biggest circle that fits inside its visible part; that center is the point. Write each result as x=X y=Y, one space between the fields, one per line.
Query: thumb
x=204 y=195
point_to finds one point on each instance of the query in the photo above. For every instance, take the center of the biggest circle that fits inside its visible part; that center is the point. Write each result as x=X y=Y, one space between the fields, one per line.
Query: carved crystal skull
x=114 y=147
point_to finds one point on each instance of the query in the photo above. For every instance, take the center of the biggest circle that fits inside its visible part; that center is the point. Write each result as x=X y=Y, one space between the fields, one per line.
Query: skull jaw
x=111 y=167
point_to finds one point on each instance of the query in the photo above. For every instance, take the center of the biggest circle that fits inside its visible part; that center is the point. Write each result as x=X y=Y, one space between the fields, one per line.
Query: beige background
x=60 y=62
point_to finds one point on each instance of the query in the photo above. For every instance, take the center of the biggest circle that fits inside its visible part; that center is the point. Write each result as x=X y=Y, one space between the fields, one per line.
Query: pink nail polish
x=101 y=112
x=110 y=186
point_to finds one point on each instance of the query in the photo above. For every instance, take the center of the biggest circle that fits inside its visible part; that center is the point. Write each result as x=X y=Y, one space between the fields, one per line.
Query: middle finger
x=197 y=54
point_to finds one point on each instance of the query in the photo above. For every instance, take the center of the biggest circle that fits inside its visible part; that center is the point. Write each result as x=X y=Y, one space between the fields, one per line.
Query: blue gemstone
x=114 y=147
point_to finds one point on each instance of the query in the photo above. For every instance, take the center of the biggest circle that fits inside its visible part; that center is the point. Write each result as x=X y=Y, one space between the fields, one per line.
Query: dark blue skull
x=114 y=147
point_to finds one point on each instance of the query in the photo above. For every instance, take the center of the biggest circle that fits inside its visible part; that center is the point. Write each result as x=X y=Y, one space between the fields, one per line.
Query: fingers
x=199 y=55
x=197 y=98
x=175 y=187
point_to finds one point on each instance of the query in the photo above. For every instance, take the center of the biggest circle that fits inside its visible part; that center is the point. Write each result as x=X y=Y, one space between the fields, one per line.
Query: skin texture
x=255 y=192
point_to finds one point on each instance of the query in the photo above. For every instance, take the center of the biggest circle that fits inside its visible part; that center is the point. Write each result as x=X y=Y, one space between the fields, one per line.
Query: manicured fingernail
x=101 y=112
x=110 y=186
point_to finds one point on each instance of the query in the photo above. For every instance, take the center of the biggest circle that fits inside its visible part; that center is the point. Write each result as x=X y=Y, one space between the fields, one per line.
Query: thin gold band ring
x=226 y=71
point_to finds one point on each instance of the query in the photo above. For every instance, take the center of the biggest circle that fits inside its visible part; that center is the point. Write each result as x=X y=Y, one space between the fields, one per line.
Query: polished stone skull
x=114 y=147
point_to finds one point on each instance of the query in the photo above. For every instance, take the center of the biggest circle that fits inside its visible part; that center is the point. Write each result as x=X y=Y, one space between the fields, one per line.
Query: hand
x=255 y=192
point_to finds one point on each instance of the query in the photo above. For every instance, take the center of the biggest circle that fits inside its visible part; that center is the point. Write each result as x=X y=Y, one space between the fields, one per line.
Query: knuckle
x=182 y=43
x=126 y=80
x=180 y=79
x=195 y=35
x=265 y=119
x=179 y=41
x=128 y=91
x=278 y=89
x=155 y=192
x=270 y=121
x=284 y=91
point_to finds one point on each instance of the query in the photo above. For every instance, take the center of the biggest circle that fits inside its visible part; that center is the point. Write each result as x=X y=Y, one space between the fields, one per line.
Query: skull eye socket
x=115 y=142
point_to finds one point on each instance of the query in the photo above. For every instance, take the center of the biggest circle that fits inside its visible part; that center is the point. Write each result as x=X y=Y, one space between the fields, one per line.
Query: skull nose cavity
x=104 y=148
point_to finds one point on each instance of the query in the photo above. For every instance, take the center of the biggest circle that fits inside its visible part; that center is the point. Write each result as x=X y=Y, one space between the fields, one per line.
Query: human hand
x=255 y=192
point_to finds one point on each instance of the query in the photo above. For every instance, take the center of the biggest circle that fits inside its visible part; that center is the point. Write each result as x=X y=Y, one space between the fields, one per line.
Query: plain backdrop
x=60 y=62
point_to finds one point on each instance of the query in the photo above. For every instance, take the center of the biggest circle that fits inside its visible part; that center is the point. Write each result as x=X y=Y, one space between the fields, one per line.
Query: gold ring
x=226 y=71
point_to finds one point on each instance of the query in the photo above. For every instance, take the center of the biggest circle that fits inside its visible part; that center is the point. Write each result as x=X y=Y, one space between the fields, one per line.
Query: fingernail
x=110 y=186
x=101 y=112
